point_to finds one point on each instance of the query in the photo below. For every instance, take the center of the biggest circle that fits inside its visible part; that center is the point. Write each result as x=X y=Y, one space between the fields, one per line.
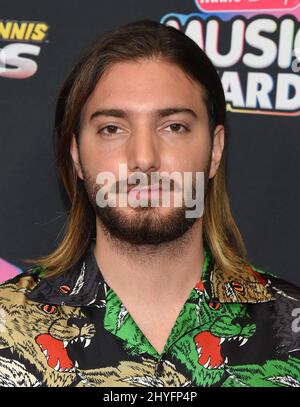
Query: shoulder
x=14 y=289
x=283 y=314
x=279 y=286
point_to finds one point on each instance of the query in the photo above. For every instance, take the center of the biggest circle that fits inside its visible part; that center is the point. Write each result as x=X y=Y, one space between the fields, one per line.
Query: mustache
x=164 y=182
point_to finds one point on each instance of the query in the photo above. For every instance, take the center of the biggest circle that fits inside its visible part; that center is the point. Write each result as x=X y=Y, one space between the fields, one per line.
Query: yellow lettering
x=18 y=32
x=39 y=32
x=23 y=31
x=5 y=30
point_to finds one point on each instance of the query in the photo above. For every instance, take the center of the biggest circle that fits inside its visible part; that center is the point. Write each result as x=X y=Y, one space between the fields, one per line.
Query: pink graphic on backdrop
x=251 y=8
x=7 y=270
x=247 y=5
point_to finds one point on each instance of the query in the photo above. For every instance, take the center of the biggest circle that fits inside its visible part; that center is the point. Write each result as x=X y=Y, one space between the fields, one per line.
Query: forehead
x=145 y=85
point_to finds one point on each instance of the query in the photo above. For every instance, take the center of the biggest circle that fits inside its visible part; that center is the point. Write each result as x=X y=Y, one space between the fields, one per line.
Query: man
x=146 y=296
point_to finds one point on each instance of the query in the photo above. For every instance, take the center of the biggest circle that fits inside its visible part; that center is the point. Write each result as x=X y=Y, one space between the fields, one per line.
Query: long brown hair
x=134 y=41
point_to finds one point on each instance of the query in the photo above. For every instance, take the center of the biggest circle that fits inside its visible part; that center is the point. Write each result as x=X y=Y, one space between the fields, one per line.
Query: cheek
x=95 y=159
x=200 y=154
x=189 y=159
x=194 y=152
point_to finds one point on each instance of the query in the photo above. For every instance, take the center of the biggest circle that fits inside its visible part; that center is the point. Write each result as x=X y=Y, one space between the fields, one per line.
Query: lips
x=144 y=192
x=145 y=188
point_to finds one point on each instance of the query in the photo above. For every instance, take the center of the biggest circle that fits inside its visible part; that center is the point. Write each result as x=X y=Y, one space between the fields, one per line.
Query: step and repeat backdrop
x=255 y=46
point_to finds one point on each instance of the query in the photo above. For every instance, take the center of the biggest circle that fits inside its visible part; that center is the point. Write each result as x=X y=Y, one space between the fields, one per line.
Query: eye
x=175 y=128
x=51 y=309
x=111 y=130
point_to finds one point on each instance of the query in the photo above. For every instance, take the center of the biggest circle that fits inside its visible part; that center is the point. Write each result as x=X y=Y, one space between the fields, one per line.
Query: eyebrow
x=159 y=113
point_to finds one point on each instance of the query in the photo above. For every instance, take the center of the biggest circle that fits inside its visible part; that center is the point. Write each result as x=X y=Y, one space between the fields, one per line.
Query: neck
x=164 y=273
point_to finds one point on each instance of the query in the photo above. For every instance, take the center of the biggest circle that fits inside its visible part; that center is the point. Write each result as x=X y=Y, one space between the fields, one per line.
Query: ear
x=217 y=149
x=75 y=156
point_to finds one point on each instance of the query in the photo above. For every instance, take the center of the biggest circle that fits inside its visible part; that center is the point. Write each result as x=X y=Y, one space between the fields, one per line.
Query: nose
x=143 y=151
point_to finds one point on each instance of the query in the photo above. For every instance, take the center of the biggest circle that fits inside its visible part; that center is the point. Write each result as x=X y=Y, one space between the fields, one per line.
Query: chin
x=130 y=211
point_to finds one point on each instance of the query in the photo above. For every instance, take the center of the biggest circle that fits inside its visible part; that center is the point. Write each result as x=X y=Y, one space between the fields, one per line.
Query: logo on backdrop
x=255 y=46
x=16 y=39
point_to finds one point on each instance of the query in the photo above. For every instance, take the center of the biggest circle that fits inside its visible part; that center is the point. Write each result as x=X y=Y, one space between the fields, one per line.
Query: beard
x=144 y=225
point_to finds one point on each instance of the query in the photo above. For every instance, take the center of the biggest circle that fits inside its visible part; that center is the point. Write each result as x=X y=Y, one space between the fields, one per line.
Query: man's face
x=140 y=129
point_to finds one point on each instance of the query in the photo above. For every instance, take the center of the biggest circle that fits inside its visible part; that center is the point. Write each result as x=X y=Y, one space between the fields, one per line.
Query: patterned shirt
x=72 y=330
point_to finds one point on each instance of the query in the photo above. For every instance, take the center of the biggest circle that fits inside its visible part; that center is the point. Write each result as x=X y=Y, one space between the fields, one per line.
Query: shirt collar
x=84 y=285
x=232 y=286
